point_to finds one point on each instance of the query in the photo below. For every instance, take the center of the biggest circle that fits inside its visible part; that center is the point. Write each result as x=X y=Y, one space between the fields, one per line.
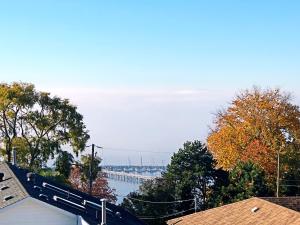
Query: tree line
x=37 y=125
x=252 y=150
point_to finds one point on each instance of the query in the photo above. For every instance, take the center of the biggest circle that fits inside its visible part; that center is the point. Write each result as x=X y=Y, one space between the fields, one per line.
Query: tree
x=86 y=164
x=191 y=174
x=192 y=171
x=13 y=98
x=100 y=187
x=63 y=163
x=260 y=126
x=156 y=190
x=38 y=122
x=49 y=173
x=245 y=180
x=290 y=179
x=80 y=177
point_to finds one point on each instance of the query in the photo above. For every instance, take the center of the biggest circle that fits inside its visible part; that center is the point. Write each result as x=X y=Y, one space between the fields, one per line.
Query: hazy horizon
x=148 y=75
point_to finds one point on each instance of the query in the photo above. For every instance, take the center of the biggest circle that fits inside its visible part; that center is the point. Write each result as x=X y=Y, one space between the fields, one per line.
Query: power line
x=289 y=180
x=154 y=202
x=165 y=216
x=87 y=146
x=135 y=150
x=289 y=185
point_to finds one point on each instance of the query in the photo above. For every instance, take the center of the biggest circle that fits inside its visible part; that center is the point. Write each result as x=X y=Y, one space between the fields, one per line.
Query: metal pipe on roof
x=14 y=152
x=103 y=222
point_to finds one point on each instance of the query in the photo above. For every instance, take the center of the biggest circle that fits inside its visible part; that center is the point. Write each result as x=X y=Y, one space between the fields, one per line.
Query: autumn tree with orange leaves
x=100 y=187
x=79 y=178
x=261 y=126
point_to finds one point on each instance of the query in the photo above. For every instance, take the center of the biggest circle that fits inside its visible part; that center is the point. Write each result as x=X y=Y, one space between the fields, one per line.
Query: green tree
x=157 y=190
x=53 y=175
x=191 y=174
x=13 y=99
x=63 y=163
x=246 y=180
x=39 y=123
x=290 y=179
x=86 y=164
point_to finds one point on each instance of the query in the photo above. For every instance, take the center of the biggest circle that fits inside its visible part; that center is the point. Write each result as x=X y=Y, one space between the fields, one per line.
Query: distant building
x=27 y=198
x=251 y=211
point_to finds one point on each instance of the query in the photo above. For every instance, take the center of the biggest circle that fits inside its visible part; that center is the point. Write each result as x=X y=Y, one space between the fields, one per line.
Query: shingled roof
x=251 y=211
x=15 y=187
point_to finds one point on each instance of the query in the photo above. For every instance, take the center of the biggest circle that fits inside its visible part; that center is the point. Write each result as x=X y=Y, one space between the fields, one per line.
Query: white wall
x=81 y=221
x=33 y=212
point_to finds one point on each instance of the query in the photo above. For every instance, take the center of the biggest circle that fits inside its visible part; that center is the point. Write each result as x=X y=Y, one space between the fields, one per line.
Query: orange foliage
x=100 y=187
x=258 y=152
x=256 y=126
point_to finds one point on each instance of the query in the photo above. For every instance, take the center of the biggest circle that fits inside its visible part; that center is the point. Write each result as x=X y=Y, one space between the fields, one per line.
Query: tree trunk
x=8 y=149
x=31 y=162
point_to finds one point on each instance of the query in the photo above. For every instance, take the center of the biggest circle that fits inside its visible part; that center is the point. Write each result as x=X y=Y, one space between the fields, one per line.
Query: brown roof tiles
x=10 y=187
x=241 y=213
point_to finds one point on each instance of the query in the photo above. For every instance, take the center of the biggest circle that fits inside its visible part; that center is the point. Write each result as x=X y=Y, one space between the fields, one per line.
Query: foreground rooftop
x=17 y=185
x=251 y=211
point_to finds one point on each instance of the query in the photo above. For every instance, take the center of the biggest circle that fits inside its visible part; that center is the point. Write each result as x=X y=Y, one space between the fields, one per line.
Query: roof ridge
x=227 y=205
x=220 y=208
x=277 y=205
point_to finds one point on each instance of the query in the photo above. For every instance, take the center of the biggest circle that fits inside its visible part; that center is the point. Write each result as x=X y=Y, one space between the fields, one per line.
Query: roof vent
x=6 y=198
x=3 y=188
x=44 y=196
x=1 y=176
x=254 y=209
x=37 y=188
x=118 y=214
x=30 y=177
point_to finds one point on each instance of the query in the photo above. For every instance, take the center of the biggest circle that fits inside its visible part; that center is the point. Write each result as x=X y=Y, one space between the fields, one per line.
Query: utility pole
x=195 y=204
x=278 y=176
x=91 y=170
x=91 y=167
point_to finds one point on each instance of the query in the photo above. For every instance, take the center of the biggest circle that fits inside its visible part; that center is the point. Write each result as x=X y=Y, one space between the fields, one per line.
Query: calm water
x=122 y=188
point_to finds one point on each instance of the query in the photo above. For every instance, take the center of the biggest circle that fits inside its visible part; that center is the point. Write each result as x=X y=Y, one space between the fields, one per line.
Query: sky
x=148 y=75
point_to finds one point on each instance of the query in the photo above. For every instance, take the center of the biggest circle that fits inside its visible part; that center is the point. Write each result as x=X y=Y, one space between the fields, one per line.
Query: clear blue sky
x=151 y=42
x=157 y=49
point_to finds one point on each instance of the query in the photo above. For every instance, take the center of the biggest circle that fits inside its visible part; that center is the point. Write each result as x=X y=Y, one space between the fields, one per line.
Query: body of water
x=122 y=188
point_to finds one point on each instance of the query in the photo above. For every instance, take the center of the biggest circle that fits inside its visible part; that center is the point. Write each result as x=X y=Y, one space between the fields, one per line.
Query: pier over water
x=132 y=174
